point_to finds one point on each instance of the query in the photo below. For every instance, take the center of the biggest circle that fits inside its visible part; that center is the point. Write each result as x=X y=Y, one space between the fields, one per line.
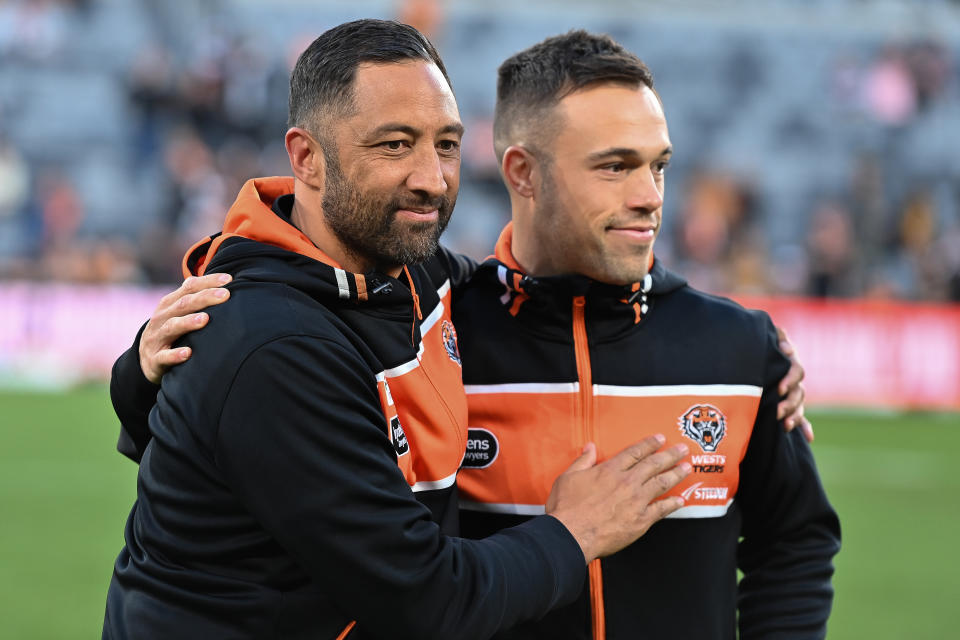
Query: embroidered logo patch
x=449 y=337
x=705 y=425
x=398 y=436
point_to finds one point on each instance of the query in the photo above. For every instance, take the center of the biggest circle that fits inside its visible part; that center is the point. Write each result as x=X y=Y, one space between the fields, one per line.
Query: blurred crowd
x=200 y=115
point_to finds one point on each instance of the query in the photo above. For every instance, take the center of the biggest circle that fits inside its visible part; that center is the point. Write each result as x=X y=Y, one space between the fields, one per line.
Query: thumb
x=586 y=459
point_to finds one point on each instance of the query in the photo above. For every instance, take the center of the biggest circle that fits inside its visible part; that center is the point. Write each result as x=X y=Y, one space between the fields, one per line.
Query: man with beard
x=297 y=474
x=573 y=333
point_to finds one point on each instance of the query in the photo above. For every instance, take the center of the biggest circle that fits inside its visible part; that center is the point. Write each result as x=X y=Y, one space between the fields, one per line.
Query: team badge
x=449 y=337
x=704 y=424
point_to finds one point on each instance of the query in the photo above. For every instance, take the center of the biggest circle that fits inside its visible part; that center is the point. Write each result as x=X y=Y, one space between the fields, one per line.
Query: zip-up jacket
x=297 y=476
x=552 y=363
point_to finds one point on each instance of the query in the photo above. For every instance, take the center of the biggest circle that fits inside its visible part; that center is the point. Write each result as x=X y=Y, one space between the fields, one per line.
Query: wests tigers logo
x=449 y=337
x=704 y=424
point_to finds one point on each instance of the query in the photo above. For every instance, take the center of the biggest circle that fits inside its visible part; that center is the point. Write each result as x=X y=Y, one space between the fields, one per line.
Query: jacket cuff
x=131 y=393
x=564 y=556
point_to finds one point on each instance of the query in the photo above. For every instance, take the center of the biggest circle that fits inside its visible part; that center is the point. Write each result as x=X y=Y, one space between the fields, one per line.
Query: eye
x=394 y=145
x=448 y=146
x=614 y=167
x=661 y=167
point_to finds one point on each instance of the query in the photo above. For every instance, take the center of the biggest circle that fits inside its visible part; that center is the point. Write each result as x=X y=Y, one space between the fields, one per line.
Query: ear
x=518 y=167
x=306 y=157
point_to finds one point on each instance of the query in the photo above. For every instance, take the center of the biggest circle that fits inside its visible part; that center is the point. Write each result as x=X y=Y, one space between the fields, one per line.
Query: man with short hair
x=297 y=474
x=595 y=340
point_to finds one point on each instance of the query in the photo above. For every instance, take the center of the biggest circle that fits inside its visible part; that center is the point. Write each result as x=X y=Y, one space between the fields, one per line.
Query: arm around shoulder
x=790 y=531
x=133 y=396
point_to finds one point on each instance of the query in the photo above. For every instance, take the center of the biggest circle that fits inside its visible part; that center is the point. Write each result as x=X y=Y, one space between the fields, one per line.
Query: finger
x=171 y=357
x=792 y=402
x=660 y=509
x=807 y=429
x=193 y=284
x=794 y=376
x=586 y=459
x=781 y=333
x=636 y=452
x=659 y=462
x=663 y=482
x=193 y=302
x=175 y=328
x=787 y=348
x=170 y=298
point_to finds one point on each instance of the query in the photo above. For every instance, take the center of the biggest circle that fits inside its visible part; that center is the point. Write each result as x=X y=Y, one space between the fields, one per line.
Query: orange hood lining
x=504 y=251
x=251 y=217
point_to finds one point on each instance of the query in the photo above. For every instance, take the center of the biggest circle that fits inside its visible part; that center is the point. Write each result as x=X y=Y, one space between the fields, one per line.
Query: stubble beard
x=601 y=264
x=369 y=229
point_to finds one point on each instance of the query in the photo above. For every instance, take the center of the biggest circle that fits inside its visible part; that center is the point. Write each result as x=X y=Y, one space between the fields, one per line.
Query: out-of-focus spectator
x=151 y=87
x=868 y=205
x=32 y=30
x=61 y=209
x=929 y=64
x=749 y=265
x=890 y=93
x=426 y=16
x=919 y=262
x=833 y=267
x=14 y=180
x=254 y=91
x=800 y=121
x=715 y=212
x=194 y=198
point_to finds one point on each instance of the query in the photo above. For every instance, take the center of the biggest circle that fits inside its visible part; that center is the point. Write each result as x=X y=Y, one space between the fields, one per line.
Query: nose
x=426 y=175
x=645 y=192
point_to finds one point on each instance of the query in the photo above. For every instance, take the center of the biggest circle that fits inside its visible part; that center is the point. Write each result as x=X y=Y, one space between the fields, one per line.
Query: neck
x=308 y=217
x=526 y=251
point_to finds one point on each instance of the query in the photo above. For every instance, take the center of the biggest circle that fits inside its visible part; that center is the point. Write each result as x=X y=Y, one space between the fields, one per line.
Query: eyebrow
x=624 y=152
x=398 y=127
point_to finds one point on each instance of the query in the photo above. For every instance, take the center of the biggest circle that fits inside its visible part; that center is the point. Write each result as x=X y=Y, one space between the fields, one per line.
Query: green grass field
x=65 y=494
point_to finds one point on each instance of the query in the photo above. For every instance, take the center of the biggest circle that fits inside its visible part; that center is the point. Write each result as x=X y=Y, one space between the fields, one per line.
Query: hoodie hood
x=252 y=216
x=258 y=226
x=522 y=287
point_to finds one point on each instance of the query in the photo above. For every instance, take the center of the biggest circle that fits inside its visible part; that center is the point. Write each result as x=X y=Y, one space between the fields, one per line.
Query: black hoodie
x=287 y=485
x=552 y=363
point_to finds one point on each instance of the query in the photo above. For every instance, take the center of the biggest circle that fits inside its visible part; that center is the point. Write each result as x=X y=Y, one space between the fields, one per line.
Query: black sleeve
x=133 y=397
x=302 y=442
x=459 y=266
x=790 y=532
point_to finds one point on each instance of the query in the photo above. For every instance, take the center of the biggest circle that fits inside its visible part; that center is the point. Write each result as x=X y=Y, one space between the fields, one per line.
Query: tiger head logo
x=704 y=424
x=449 y=336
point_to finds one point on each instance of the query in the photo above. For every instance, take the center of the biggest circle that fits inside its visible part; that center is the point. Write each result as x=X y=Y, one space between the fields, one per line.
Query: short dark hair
x=322 y=80
x=533 y=81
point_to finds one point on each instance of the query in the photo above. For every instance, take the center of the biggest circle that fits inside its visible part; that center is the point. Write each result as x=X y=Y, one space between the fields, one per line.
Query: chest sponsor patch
x=482 y=449
x=449 y=336
x=699 y=492
x=705 y=425
x=399 y=437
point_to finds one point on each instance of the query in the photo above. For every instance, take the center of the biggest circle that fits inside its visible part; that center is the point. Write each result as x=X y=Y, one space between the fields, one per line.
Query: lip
x=419 y=215
x=639 y=233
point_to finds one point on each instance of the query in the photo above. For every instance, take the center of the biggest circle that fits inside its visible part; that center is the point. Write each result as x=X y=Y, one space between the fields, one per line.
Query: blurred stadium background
x=816 y=174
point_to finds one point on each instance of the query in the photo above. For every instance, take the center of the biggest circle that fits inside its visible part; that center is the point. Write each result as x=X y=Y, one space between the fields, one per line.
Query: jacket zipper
x=346 y=630
x=581 y=350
